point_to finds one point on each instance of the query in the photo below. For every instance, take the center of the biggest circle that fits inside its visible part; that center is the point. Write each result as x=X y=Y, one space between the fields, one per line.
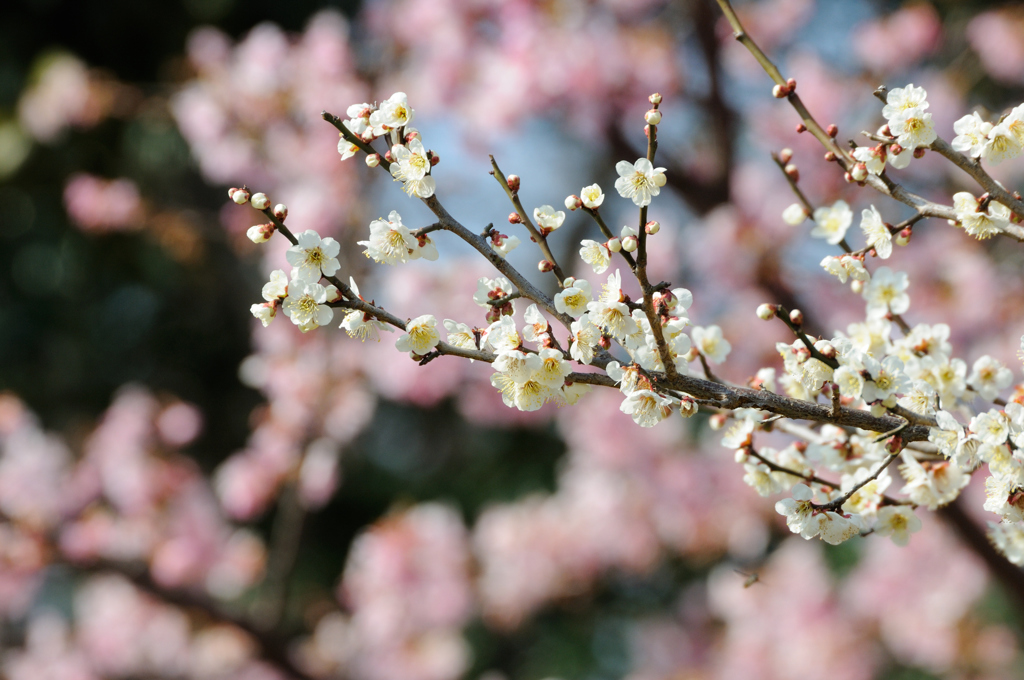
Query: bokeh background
x=184 y=493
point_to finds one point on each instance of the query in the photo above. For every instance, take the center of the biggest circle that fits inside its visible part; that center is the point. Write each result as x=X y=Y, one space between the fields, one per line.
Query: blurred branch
x=284 y=550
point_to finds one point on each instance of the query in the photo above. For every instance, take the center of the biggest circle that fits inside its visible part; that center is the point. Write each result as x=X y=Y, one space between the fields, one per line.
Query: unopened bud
x=333 y=294
x=434 y=158
x=786 y=155
x=800 y=127
x=827 y=350
x=791 y=84
x=629 y=244
x=260 y=233
x=884 y=131
x=655 y=98
x=281 y=211
x=796 y=317
x=830 y=156
x=388 y=157
x=513 y=183
x=240 y=196
x=895 y=444
x=832 y=130
x=614 y=245
x=687 y=407
x=859 y=172
x=605 y=342
x=848 y=177
x=903 y=238
x=514 y=218
x=545 y=266
x=793 y=172
x=857 y=286
x=765 y=311
x=652 y=227
x=919 y=152
x=780 y=91
x=717 y=421
x=895 y=149
x=653 y=117
x=373 y=160
x=691 y=355
x=411 y=135
x=573 y=202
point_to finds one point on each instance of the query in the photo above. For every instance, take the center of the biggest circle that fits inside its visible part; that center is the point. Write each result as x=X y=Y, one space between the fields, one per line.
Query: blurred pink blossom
x=99 y=205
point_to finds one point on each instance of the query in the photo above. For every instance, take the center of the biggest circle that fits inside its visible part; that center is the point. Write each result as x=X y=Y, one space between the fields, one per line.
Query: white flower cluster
x=994 y=143
x=909 y=126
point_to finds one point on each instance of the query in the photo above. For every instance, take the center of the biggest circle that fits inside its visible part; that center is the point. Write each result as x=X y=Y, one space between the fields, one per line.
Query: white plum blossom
x=460 y=335
x=548 y=218
x=887 y=292
x=798 y=511
x=610 y=312
x=845 y=267
x=502 y=335
x=393 y=113
x=573 y=299
x=887 y=380
x=277 y=287
x=831 y=223
x=412 y=166
x=971 y=135
x=305 y=305
x=989 y=377
x=503 y=245
x=897 y=522
x=390 y=241
x=834 y=528
x=536 y=327
x=758 y=476
x=585 y=336
x=420 y=336
x=1002 y=144
x=711 y=343
x=849 y=380
x=1009 y=540
x=648 y=408
x=313 y=256
x=901 y=99
x=596 y=255
x=639 y=181
x=794 y=215
x=592 y=196
x=913 y=128
x=872 y=157
x=492 y=289
x=933 y=484
x=517 y=365
x=991 y=427
x=553 y=368
x=980 y=224
x=877 y=234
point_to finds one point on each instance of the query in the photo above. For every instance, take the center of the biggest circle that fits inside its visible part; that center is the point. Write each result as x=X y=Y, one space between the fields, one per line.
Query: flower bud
x=895 y=149
x=827 y=349
x=573 y=202
x=388 y=157
x=794 y=215
x=614 y=245
x=545 y=266
x=434 y=158
x=569 y=282
x=655 y=99
x=796 y=317
x=333 y=294
x=691 y=355
x=800 y=127
x=848 y=177
x=791 y=84
x=903 y=238
x=832 y=130
x=687 y=407
x=605 y=342
x=780 y=91
x=260 y=233
x=793 y=172
x=857 y=286
x=241 y=196
x=653 y=117
x=765 y=311
x=919 y=152
x=514 y=218
x=281 y=211
x=373 y=160
x=652 y=227
x=260 y=201
x=786 y=155
x=859 y=172
x=513 y=183
x=629 y=244
x=830 y=156
x=884 y=131
x=660 y=179
x=717 y=421
x=411 y=135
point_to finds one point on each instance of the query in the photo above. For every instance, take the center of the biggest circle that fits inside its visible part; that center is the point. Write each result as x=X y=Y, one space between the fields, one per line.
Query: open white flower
x=887 y=292
x=277 y=287
x=548 y=218
x=1009 y=540
x=933 y=484
x=872 y=157
x=596 y=255
x=831 y=223
x=536 y=327
x=420 y=336
x=887 y=380
x=573 y=299
x=412 y=166
x=1001 y=145
x=977 y=223
x=913 y=128
x=305 y=305
x=794 y=215
x=460 y=335
x=503 y=245
x=313 y=256
x=798 y=511
x=989 y=377
x=609 y=312
x=393 y=113
x=585 y=337
x=897 y=522
x=901 y=99
x=390 y=240
x=264 y=311
x=648 y=408
x=711 y=343
x=971 y=135
x=639 y=181
x=878 y=235
x=553 y=368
